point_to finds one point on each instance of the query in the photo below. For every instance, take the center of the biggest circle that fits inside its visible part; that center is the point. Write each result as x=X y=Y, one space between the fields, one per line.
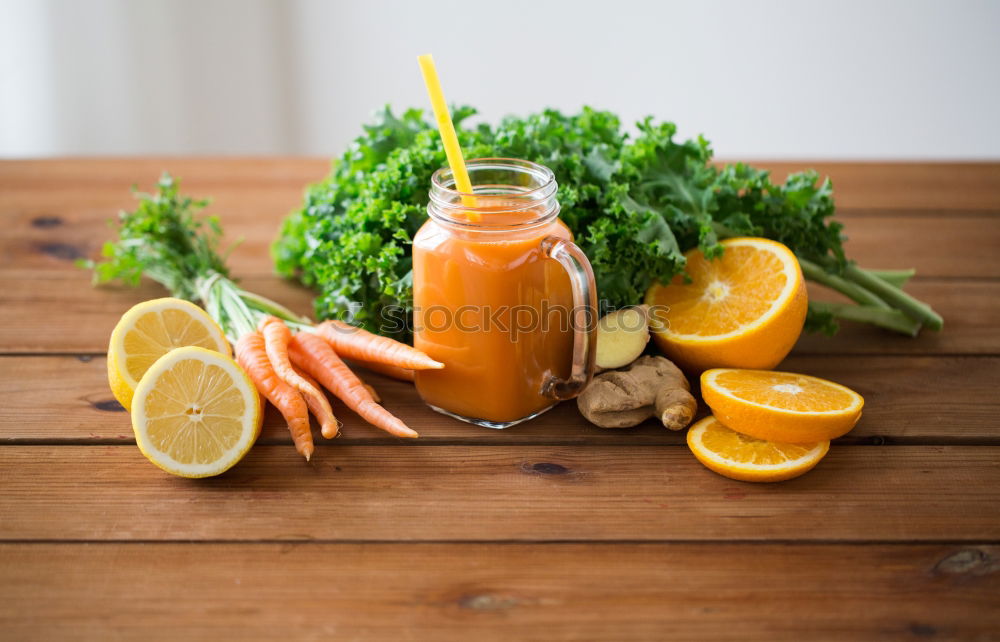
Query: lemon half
x=148 y=331
x=195 y=412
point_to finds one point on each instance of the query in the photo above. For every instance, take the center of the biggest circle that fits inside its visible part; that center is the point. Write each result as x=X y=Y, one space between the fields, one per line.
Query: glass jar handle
x=583 y=318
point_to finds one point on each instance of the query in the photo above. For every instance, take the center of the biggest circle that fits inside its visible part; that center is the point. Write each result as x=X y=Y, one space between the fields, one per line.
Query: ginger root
x=622 y=335
x=650 y=387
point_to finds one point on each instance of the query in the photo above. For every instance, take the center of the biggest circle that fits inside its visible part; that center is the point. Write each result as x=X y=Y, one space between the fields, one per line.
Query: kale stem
x=851 y=290
x=723 y=231
x=918 y=310
x=897 y=278
x=889 y=319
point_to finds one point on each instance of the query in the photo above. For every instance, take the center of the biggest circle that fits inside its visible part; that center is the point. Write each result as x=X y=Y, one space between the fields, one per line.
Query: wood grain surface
x=910 y=400
x=462 y=591
x=484 y=492
x=552 y=530
x=79 y=318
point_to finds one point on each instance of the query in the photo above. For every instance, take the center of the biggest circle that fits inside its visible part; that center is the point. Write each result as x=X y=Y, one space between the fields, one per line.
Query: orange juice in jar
x=502 y=296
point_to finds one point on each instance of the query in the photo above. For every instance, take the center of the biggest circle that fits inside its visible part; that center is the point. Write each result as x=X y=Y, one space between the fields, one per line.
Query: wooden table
x=551 y=530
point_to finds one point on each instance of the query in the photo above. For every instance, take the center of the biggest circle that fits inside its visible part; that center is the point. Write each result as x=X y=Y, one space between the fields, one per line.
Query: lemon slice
x=746 y=458
x=742 y=310
x=195 y=412
x=781 y=406
x=148 y=331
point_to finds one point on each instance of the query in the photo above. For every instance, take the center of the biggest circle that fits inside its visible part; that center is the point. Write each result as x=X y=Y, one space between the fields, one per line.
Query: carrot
x=356 y=343
x=251 y=354
x=313 y=407
x=384 y=368
x=276 y=338
x=315 y=356
x=373 y=392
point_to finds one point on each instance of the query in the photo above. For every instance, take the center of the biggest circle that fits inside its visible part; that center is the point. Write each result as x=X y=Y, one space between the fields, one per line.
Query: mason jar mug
x=502 y=296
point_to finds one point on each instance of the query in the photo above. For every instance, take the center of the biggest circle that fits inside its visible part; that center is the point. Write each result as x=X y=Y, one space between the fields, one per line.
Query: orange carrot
x=384 y=368
x=276 y=338
x=373 y=392
x=354 y=343
x=315 y=356
x=313 y=407
x=251 y=354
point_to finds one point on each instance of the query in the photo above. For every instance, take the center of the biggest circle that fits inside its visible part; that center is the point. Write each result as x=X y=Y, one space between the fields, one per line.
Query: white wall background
x=761 y=78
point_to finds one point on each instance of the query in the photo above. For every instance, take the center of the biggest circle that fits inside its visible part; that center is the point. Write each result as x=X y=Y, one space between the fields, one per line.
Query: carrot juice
x=499 y=294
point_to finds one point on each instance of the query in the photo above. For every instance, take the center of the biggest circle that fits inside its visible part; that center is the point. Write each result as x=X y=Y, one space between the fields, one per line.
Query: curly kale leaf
x=634 y=206
x=795 y=213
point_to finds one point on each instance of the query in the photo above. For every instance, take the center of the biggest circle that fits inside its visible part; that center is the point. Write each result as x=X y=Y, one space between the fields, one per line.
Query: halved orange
x=738 y=456
x=780 y=406
x=742 y=310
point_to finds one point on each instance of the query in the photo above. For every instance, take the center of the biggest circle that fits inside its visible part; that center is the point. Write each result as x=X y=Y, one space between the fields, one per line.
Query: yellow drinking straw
x=447 y=130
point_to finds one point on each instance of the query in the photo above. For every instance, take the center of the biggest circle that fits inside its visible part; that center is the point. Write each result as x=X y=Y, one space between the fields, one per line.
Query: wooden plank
x=895 y=185
x=935 y=247
x=948 y=400
x=849 y=214
x=939 y=246
x=889 y=185
x=971 y=314
x=503 y=592
x=535 y=493
x=55 y=211
x=79 y=318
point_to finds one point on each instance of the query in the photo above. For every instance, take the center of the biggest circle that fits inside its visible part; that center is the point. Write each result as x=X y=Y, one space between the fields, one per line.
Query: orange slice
x=743 y=310
x=781 y=406
x=738 y=456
